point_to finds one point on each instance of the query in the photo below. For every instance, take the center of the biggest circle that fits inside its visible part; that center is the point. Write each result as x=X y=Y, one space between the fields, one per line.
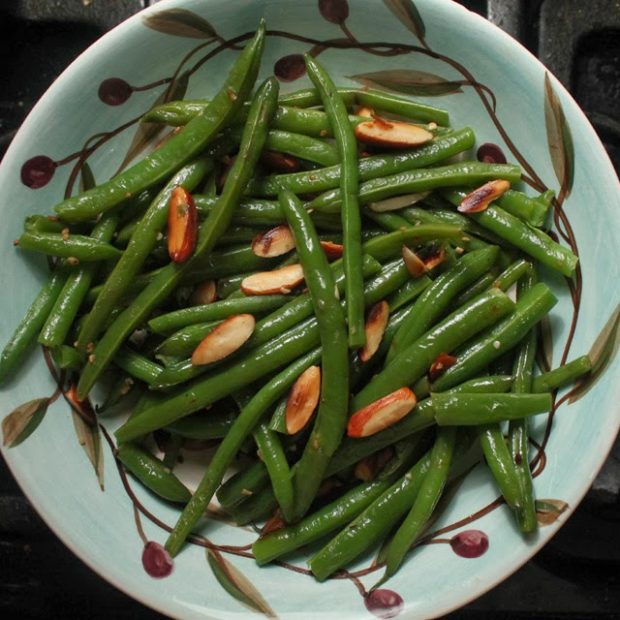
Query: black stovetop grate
x=577 y=575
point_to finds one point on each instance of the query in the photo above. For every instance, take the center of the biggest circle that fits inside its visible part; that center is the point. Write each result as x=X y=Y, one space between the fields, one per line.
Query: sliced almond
x=332 y=250
x=303 y=399
x=365 y=111
x=440 y=365
x=392 y=133
x=397 y=202
x=435 y=260
x=415 y=265
x=275 y=242
x=280 y=161
x=381 y=413
x=182 y=225
x=481 y=198
x=225 y=339
x=375 y=328
x=282 y=280
x=203 y=294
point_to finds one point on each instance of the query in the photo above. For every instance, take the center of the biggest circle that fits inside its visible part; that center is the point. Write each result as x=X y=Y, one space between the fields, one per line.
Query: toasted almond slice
x=365 y=111
x=182 y=225
x=203 y=294
x=282 y=280
x=332 y=250
x=482 y=197
x=435 y=260
x=440 y=365
x=303 y=399
x=415 y=265
x=274 y=242
x=392 y=133
x=381 y=413
x=280 y=161
x=397 y=202
x=225 y=339
x=375 y=328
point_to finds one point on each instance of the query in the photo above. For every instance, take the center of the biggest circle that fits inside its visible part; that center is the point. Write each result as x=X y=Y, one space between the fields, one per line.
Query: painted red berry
x=470 y=543
x=384 y=603
x=38 y=171
x=114 y=91
x=490 y=153
x=156 y=560
x=290 y=68
x=334 y=11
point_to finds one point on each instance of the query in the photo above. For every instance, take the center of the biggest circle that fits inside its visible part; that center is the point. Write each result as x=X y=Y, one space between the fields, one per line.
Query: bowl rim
x=105 y=571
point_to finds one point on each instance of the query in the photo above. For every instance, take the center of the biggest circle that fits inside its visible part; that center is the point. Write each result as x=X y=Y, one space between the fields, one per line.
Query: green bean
x=202 y=426
x=121 y=387
x=273 y=456
x=352 y=450
x=408 y=292
x=137 y=365
x=436 y=299
x=67 y=358
x=514 y=272
x=180 y=148
x=346 y=144
x=255 y=508
x=278 y=418
x=372 y=524
x=142 y=242
x=216 y=311
x=372 y=167
x=26 y=332
x=518 y=434
x=483 y=283
x=424 y=503
x=152 y=473
x=388 y=102
x=184 y=341
x=62 y=315
x=249 y=150
x=421 y=180
x=43 y=224
x=471 y=409
x=244 y=424
x=230 y=287
x=78 y=247
x=333 y=406
x=409 y=365
x=563 y=375
x=388 y=221
x=530 y=210
x=242 y=485
x=530 y=308
x=488 y=383
x=530 y=240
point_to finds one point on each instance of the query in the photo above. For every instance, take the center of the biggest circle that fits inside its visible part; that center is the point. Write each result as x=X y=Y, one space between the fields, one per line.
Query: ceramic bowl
x=435 y=50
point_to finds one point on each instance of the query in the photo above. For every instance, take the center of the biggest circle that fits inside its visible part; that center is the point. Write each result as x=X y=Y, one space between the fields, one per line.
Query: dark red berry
x=38 y=171
x=290 y=68
x=156 y=560
x=384 y=603
x=470 y=543
x=490 y=153
x=334 y=11
x=114 y=91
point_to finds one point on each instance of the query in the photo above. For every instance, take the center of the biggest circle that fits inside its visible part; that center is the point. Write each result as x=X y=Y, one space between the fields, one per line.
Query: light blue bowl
x=440 y=38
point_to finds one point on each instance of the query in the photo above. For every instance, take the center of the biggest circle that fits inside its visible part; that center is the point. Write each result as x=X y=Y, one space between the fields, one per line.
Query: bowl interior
x=441 y=53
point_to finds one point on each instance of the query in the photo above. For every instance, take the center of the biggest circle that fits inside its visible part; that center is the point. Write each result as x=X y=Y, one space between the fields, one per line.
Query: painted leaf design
x=409 y=15
x=548 y=510
x=237 y=584
x=23 y=421
x=89 y=437
x=180 y=23
x=601 y=354
x=559 y=139
x=409 y=82
x=147 y=134
x=544 y=350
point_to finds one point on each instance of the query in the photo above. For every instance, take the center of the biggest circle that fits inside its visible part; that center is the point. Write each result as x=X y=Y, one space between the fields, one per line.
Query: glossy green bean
x=67 y=358
x=152 y=473
x=420 y=180
x=372 y=167
x=26 y=332
x=257 y=507
x=530 y=308
x=180 y=148
x=563 y=375
x=80 y=247
x=261 y=111
x=43 y=224
x=245 y=483
x=514 y=272
x=137 y=365
x=204 y=425
x=520 y=205
x=184 y=341
x=244 y=424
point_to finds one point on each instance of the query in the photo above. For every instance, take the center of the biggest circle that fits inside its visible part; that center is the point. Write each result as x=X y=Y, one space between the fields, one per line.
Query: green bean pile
x=411 y=346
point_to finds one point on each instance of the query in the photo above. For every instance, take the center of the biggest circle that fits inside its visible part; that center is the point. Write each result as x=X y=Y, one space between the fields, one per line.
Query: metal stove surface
x=577 y=575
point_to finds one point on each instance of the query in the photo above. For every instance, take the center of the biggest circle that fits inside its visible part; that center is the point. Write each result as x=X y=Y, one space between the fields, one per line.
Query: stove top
x=577 y=575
